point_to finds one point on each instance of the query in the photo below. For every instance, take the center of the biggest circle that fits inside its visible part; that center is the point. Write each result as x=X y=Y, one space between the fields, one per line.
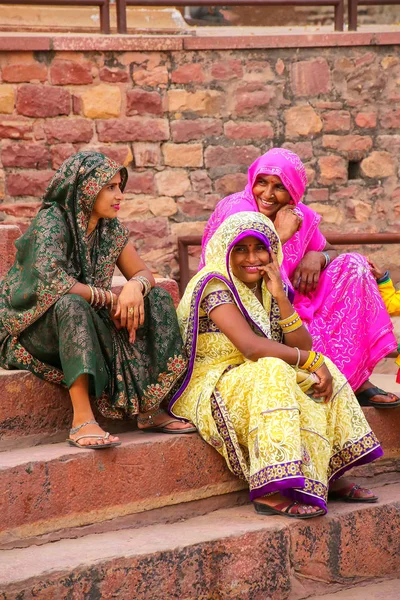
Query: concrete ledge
x=232 y=551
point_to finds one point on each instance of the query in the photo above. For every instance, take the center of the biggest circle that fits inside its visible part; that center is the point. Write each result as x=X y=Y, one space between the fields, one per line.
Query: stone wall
x=188 y=123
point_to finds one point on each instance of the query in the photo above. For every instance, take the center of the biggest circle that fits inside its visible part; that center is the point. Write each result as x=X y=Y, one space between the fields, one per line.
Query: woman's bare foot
x=377 y=398
x=151 y=420
x=282 y=504
x=91 y=429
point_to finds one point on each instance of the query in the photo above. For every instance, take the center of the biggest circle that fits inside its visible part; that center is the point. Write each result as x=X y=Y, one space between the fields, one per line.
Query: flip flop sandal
x=364 y=398
x=349 y=494
x=162 y=428
x=105 y=437
x=264 y=509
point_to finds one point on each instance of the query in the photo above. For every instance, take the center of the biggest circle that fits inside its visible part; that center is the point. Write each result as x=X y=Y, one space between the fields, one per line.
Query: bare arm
x=130 y=264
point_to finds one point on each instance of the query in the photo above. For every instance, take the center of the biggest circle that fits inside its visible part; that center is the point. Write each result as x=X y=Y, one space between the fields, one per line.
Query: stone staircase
x=161 y=517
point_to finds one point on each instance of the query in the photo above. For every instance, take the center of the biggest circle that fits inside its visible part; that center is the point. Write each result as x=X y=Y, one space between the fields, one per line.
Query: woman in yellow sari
x=283 y=417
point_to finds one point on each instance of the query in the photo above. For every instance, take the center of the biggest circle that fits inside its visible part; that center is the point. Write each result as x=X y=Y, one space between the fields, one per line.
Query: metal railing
x=353 y=6
x=122 y=4
x=104 y=6
x=336 y=239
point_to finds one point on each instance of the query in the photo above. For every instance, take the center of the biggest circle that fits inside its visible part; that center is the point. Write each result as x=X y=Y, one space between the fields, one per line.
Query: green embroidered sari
x=59 y=336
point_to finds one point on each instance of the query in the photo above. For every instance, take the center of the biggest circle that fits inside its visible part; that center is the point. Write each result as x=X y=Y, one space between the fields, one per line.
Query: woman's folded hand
x=130 y=308
x=324 y=388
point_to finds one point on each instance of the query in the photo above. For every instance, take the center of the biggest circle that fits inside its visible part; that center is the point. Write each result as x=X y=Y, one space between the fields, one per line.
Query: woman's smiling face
x=270 y=195
x=246 y=256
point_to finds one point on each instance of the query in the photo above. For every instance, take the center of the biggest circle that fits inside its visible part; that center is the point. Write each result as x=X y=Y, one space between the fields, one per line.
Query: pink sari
x=345 y=314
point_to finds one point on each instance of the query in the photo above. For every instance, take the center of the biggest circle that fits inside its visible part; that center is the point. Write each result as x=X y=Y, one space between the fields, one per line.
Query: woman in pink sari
x=335 y=295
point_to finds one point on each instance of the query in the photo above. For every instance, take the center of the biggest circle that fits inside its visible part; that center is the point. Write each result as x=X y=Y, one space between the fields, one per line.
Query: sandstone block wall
x=188 y=123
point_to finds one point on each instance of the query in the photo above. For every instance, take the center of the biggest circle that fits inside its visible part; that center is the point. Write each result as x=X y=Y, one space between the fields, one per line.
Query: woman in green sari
x=60 y=320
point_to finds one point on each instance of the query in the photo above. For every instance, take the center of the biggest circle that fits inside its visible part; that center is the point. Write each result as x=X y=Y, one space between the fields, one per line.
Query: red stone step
x=53 y=487
x=228 y=554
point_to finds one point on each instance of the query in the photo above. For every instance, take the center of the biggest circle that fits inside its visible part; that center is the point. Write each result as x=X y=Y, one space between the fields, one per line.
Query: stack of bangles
x=327 y=259
x=145 y=283
x=290 y=323
x=314 y=362
x=98 y=298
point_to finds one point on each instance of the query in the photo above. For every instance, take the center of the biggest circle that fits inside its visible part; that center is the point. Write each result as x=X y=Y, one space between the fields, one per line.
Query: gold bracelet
x=111 y=301
x=298 y=357
x=309 y=361
x=288 y=320
x=290 y=328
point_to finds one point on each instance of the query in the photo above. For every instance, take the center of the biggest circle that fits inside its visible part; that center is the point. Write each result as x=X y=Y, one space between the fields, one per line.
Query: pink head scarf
x=286 y=165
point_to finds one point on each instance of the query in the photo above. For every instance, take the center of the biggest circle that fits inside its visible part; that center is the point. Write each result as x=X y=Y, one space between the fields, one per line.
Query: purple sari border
x=366 y=458
x=276 y=486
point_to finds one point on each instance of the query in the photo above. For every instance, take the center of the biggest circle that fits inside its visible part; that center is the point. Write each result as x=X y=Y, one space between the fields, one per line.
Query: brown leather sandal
x=280 y=509
x=349 y=494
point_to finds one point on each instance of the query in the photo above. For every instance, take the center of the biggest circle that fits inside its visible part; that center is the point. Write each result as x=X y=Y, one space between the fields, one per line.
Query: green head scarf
x=54 y=252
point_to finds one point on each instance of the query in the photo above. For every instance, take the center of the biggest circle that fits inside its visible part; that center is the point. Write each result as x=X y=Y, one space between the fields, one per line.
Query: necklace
x=254 y=289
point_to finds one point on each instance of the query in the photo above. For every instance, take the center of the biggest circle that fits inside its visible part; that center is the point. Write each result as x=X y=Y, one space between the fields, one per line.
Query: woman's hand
x=272 y=277
x=376 y=272
x=324 y=388
x=287 y=222
x=130 y=308
x=307 y=273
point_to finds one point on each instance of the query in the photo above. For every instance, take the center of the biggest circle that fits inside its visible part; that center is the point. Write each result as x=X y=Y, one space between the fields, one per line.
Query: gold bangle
x=111 y=301
x=317 y=364
x=309 y=361
x=288 y=320
x=290 y=328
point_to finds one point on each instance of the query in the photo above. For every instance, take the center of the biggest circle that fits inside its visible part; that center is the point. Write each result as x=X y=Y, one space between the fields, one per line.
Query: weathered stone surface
x=190 y=73
x=187 y=130
x=390 y=118
x=138 y=208
x=359 y=210
x=183 y=155
x=66 y=72
x=31 y=183
x=249 y=102
x=68 y=130
x=302 y=120
x=201 y=102
x=378 y=165
x=26 y=155
x=366 y=120
x=19 y=73
x=140 y=102
x=336 y=120
x=230 y=184
x=163 y=206
x=172 y=182
x=317 y=195
x=248 y=130
x=147 y=154
x=113 y=75
x=310 y=78
x=140 y=182
x=156 y=77
x=303 y=149
x=216 y=156
x=330 y=214
x=354 y=146
x=227 y=69
x=101 y=102
x=200 y=182
x=190 y=228
x=8 y=235
x=6 y=99
x=121 y=153
x=43 y=101
x=333 y=169
x=59 y=153
x=16 y=128
x=198 y=205
x=136 y=129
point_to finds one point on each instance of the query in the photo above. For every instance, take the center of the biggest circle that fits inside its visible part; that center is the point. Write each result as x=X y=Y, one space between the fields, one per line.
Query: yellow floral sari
x=255 y=414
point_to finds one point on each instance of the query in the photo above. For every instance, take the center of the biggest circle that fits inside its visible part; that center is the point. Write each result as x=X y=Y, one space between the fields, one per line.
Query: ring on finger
x=131 y=310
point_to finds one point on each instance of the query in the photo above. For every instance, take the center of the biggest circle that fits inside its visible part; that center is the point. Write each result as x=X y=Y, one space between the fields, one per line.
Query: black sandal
x=364 y=398
x=265 y=509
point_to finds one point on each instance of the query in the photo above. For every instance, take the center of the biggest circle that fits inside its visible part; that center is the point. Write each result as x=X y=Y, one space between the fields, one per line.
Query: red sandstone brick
x=310 y=77
x=390 y=119
x=28 y=183
x=15 y=128
x=280 y=66
x=59 y=153
x=261 y=68
x=8 y=235
x=155 y=77
x=317 y=195
x=333 y=169
x=366 y=120
x=248 y=102
x=24 y=72
x=65 y=72
x=190 y=73
x=68 y=130
x=248 y=130
x=227 y=69
x=201 y=182
x=230 y=184
x=303 y=149
x=157 y=227
x=140 y=129
x=121 y=154
x=20 y=209
x=140 y=183
x=147 y=154
x=113 y=75
x=336 y=120
x=140 y=102
x=186 y=130
x=217 y=156
x=391 y=143
x=354 y=146
x=42 y=101
x=196 y=205
x=172 y=182
x=31 y=156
